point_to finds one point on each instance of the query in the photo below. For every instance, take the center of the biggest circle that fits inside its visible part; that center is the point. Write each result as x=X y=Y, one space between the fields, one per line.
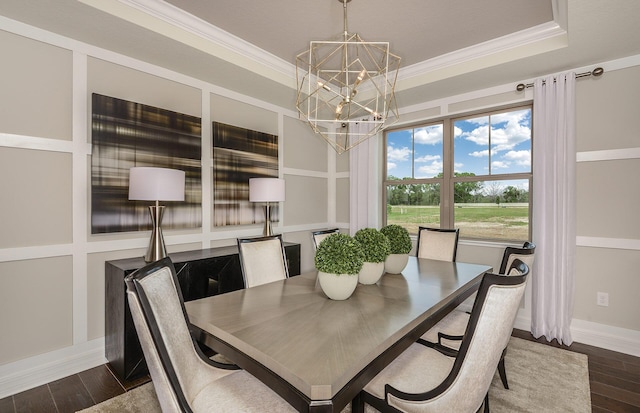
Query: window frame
x=448 y=180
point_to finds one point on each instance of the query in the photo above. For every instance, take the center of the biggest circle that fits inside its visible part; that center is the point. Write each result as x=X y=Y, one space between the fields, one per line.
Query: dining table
x=318 y=353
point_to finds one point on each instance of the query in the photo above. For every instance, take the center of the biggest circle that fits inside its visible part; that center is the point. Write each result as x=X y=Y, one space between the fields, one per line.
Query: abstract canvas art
x=240 y=154
x=126 y=134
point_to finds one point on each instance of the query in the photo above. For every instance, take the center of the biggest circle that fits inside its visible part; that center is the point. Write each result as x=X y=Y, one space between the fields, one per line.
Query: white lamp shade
x=266 y=190
x=156 y=184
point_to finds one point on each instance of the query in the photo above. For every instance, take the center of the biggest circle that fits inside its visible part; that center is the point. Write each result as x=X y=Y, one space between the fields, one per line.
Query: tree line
x=464 y=192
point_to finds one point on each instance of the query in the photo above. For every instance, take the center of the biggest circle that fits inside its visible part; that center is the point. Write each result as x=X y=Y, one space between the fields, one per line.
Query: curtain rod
x=598 y=71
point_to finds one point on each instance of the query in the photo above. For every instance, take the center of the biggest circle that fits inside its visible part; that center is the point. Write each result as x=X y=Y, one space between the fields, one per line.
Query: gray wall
x=52 y=269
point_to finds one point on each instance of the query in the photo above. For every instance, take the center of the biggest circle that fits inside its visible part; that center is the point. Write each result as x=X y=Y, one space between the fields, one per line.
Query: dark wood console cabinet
x=201 y=273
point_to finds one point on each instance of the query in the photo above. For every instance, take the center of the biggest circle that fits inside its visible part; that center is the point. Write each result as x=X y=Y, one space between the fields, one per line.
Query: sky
x=509 y=140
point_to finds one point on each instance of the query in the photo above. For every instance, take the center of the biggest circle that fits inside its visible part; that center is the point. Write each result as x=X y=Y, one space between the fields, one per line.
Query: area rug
x=541 y=379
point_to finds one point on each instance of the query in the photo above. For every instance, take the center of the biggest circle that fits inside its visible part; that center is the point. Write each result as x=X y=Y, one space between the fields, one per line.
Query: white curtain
x=554 y=207
x=363 y=199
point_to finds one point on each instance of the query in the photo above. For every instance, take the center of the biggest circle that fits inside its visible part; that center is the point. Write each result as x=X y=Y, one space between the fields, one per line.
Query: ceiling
x=447 y=47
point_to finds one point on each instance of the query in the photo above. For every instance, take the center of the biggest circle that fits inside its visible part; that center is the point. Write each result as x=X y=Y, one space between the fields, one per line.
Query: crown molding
x=535 y=40
x=168 y=20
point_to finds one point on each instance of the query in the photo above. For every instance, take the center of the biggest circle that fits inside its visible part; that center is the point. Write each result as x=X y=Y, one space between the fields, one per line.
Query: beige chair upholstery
x=426 y=379
x=318 y=236
x=526 y=254
x=183 y=378
x=455 y=323
x=263 y=260
x=437 y=243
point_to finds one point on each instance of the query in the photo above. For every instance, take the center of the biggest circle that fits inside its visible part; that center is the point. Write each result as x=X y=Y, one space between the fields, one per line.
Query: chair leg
x=503 y=371
x=357 y=404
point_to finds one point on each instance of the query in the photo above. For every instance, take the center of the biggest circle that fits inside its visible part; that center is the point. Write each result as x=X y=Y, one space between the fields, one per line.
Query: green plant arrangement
x=375 y=244
x=339 y=254
x=399 y=238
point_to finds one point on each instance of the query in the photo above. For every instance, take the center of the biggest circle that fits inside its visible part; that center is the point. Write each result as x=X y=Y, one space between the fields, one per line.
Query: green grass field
x=504 y=222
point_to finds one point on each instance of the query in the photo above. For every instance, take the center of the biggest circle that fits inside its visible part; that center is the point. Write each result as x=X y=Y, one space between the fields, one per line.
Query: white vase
x=371 y=272
x=395 y=263
x=338 y=286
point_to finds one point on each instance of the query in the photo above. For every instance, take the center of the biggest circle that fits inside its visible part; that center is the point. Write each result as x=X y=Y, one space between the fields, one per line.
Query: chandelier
x=346 y=88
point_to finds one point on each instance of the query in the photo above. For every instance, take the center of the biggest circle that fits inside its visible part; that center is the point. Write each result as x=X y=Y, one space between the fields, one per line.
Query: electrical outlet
x=602 y=299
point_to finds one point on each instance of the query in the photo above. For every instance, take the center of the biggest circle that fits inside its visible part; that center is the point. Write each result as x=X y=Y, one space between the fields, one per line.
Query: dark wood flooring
x=614 y=379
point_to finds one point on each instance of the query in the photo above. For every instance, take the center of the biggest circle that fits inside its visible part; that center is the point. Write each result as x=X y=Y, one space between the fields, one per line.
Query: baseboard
x=598 y=335
x=611 y=338
x=38 y=370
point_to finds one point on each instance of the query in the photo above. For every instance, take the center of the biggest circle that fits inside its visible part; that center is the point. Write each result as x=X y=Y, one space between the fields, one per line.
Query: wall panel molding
x=38 y=143
x=306 y=227
x=304 y=172
x=614 y=243
x=35 y=252
x=608 y=155
x=80 y=128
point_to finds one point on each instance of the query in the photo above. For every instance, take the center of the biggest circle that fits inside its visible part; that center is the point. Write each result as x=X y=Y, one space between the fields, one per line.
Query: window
x=470 y=172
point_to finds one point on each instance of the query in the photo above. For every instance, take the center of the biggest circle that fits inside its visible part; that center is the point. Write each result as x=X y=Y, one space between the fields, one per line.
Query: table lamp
x=266 y=190
x=156 y=184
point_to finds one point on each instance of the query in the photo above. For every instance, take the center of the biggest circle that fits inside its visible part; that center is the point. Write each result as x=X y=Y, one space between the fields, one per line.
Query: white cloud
x=522 y=158
x=430 y=135
x=479 y=136
x=480 y=154
x=428 y=158
x=508 y=137
x=508 y=131
x=390 y=166
x=499 y=165
x=429 y=171
x=398 y=154
x=510 y=117
x=482 y=120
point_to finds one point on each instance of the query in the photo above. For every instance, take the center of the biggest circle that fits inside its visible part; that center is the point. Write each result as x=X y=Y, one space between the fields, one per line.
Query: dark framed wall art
x=240 y=154
x=126 y=134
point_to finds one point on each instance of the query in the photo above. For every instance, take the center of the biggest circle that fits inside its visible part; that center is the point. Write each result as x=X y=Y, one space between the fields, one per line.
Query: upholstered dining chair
x=183 y=378
x=437 y=243
x=318 y=236
x=454 y=324
x=263 y=260
x=435 y=379
x=526 y=254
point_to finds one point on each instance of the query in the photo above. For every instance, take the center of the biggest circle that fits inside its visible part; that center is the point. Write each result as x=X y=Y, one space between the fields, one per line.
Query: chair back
x=318 y=236
x=263 y=260
x=525 y=254
x=437 y=243
x=486 y=336
x=157 y=308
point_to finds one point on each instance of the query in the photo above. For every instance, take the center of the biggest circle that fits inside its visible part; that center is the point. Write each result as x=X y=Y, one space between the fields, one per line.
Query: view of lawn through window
x=472 y=173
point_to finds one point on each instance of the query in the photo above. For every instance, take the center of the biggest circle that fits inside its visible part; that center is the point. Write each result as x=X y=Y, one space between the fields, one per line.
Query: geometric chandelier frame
x=346 y=88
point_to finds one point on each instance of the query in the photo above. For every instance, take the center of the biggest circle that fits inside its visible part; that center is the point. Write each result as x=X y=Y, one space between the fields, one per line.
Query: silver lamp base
x=157 y=249
x=267 y=221
x=267 y=232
